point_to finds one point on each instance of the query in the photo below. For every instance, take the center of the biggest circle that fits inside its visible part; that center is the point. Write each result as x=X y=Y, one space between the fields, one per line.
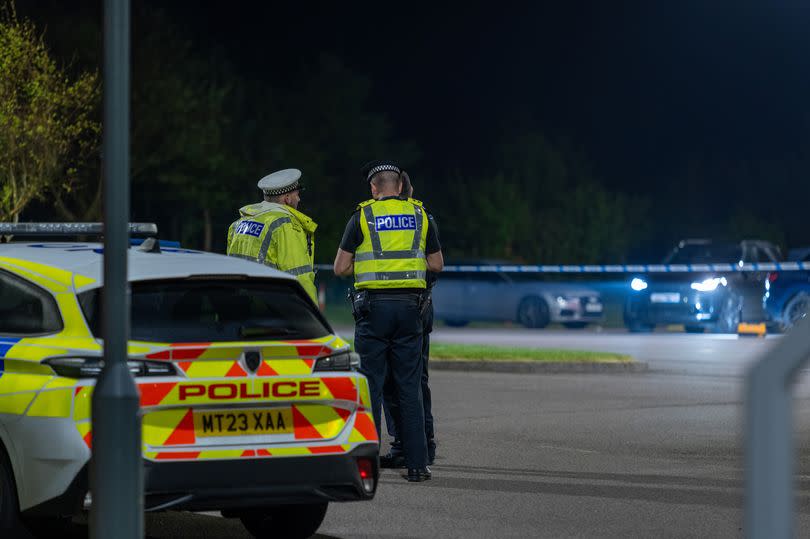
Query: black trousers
x=389 y=340
x=391 y=399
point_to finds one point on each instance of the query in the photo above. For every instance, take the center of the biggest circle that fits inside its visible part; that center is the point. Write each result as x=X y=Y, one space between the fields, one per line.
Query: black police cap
x=373 y=167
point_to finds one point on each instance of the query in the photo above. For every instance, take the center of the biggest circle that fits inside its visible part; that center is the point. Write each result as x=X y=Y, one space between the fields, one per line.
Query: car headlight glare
x=709 y=285
x=90 y=367
x=342 y=361
x=638 y=284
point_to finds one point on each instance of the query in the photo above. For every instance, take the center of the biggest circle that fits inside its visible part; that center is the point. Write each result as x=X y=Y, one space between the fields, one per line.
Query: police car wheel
x=9 y=510
x=289 y=521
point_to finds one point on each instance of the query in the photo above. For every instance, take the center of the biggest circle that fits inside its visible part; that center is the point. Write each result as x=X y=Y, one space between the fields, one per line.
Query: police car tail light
x=366 y=470
x=90 y=367
x=342 y=361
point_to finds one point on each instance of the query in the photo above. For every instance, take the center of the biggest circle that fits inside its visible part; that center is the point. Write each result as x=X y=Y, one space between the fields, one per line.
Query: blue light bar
x=70 y=229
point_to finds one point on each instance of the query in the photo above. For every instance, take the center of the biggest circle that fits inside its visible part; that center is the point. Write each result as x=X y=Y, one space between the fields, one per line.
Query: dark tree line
x=204 y=131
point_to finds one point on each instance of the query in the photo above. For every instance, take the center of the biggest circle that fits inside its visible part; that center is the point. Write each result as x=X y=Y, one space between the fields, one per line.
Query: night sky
x=645 y=91
x=641 y=88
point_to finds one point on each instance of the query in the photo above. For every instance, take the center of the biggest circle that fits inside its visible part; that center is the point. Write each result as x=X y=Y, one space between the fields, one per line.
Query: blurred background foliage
x=204 y=132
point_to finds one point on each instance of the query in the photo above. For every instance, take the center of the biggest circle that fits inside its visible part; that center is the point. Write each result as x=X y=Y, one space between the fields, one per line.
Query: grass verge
x=474 y=352
x=471 y=352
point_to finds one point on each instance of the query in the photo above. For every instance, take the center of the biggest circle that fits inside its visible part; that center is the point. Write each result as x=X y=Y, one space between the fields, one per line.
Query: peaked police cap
x=281 y=182
x=373 y=167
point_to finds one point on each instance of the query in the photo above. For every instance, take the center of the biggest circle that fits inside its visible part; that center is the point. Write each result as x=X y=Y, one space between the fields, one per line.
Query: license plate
x=665 y=297
x=593 y=307
x=243 y=422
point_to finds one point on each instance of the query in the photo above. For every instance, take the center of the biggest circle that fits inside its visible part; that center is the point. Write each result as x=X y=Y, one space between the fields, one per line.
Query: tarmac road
x=655 y=454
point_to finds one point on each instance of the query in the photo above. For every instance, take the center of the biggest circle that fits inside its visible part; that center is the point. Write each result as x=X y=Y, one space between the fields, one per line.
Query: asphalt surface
x=657 y=454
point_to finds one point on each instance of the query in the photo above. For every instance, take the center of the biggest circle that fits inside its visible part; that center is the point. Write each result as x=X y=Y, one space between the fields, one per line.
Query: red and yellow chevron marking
x=280 y=358
x=318 y=422
x=229 y=454
x=310 y=422
x=169 y=427
x=341 y=387
x=82 y=401
x=212 y=369
x=86 y=432
x=241 y=390
x=286 y=367
x=365 y=394
x=363 y=429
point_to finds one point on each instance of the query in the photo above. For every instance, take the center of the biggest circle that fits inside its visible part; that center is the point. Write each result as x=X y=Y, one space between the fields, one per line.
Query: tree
x=543 y=205
x=47 y=126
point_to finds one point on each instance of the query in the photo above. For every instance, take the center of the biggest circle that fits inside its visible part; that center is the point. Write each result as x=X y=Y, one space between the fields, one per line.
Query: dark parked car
x=787 y=293
x=707 y=300
x=462 y=297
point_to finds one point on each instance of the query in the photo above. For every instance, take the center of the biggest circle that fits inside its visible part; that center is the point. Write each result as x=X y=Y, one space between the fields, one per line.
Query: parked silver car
x=462 y=297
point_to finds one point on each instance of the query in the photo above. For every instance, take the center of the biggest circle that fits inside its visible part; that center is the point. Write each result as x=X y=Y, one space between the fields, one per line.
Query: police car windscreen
x=213 y=311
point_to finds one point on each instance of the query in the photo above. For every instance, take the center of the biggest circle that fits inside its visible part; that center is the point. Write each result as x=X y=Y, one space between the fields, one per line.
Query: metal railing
x=770 y=454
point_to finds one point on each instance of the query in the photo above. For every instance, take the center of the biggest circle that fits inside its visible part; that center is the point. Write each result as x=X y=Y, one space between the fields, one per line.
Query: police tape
x=621 y=268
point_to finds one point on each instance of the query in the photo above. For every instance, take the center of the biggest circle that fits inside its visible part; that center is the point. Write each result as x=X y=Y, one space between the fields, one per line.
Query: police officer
x=396 y=456
x=389 y=246
x=273 y=232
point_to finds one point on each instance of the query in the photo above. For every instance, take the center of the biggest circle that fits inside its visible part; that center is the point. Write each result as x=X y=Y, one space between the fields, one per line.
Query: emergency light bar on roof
x=70 y=229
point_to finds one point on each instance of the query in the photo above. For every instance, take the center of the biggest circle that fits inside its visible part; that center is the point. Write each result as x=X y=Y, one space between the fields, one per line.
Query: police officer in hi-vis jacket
x=389 y=245
x=275 y=233
x=396 y=456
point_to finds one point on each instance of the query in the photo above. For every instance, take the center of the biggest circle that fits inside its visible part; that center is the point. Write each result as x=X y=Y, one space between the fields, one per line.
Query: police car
x=251 y=405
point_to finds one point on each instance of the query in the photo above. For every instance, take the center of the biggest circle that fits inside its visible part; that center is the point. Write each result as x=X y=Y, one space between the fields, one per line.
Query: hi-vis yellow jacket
x=278 y=236
x=392 y=254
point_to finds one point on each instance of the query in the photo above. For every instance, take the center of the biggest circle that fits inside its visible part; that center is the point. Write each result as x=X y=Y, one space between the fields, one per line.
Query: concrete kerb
x=539 y=367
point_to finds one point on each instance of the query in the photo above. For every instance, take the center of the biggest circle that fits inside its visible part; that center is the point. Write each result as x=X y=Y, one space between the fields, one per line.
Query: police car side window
x=26 y=309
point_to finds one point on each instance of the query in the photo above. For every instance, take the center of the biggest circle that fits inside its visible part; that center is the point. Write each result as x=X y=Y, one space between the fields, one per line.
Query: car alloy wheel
x=533 y=313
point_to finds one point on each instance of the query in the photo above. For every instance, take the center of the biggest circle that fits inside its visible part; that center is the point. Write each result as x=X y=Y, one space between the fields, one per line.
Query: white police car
x=251 y=404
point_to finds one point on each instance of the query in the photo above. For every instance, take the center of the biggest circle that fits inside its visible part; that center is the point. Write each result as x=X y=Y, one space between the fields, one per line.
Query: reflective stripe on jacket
x=278 y=236
x=392 y=254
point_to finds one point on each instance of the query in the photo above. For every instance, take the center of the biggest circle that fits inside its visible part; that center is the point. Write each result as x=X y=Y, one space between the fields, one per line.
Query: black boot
x=417 y=475
x=395 y=457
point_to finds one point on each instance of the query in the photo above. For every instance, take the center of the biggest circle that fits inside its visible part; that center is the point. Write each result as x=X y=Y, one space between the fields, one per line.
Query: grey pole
x=116 y=472
x=770 y=454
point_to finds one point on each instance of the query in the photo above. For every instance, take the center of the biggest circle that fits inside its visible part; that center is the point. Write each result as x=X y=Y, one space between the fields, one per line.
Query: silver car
x=463 y=297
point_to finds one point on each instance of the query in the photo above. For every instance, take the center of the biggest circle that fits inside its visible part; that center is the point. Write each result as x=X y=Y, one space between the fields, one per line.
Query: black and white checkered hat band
x=381 y=168
x=282 y=190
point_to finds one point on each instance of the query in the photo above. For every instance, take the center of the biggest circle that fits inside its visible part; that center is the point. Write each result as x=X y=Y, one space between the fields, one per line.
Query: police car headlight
x=90 y=367
x=342 y=361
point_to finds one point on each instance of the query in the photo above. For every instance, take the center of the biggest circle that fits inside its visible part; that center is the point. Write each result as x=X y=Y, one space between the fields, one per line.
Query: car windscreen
x=706 y=254
x=213 y=311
